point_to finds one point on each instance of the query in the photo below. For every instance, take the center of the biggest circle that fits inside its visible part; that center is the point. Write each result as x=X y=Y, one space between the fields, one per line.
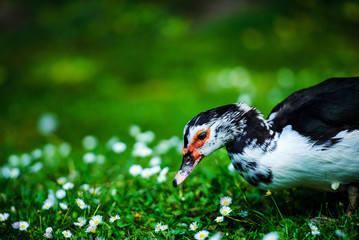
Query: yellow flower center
x=225 y=202
x=224 y=212
x=66 y=234
x=194 y=227
x=22 y=226
x=96 y=222
x=0 y=217
x=201 y=235
x=93 y=230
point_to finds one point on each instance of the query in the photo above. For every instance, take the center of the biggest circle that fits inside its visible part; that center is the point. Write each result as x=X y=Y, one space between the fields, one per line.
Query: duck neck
x=254 y=140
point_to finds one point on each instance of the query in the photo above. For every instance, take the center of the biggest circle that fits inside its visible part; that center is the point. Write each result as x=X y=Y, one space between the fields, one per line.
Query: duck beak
x=188 y=164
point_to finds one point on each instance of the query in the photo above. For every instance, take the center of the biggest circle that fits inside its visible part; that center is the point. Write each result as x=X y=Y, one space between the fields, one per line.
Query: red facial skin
x=195 y=144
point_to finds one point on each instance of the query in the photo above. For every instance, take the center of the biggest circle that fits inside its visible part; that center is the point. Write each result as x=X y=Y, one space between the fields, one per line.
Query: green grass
x=142 y=203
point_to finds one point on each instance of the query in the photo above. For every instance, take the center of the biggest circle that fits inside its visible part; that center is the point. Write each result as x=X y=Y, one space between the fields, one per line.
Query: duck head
x=208 y=132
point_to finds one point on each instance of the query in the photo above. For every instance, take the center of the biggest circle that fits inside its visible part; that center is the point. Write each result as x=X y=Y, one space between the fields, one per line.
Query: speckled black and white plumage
x=310 y=139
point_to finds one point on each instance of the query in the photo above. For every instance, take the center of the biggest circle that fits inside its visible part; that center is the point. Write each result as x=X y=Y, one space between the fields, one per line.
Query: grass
x=142 y=203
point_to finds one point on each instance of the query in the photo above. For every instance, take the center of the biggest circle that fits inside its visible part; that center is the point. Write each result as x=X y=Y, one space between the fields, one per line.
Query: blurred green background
x=102 y=66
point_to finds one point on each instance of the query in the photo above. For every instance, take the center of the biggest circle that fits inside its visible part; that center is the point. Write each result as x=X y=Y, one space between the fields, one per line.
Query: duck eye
x=202 y=135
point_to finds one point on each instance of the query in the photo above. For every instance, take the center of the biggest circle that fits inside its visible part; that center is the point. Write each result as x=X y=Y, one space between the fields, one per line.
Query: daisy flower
x=225 y=201
x=61 y=180
x=63 y=206
x=89 y=157
x=158 y=227
x=48 y=204
x=314 y=229
x=112 y=219
x=216 y=236
x=161 y=178
x=49 y=230
x=271 y=236
x=16 y=225
x=225 y=210
x=219 y=219
x=335 y=185
x=85 y=187
x=201 y=235
x=48 y=235
x=23 y=226
x=164 y=227
x=91 y=228
x=339 y=233
x=4 y=217
x=193 y=226
x=80 y=221
x=89 y=142
x=67 y=234
x=96 y=220
x=81 y=203
x=60 y=194
x=119 y=147
x=95 y=191
x=155 y=161
x=68 y=185
x=135 y=170
x=146 y=173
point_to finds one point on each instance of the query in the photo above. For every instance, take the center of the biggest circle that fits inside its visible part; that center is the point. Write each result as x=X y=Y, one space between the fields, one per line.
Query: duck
x=309 y=140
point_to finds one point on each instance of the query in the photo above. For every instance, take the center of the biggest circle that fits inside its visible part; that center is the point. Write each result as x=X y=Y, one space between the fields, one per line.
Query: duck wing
x=321 y=111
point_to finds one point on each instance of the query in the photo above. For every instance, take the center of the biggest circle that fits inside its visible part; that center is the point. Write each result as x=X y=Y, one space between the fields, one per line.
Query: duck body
x=311 y=139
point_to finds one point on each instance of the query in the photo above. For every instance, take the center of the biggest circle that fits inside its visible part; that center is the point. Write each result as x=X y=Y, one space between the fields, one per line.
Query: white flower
x=314 y=229
x=60 y=194
x=339 y=233
x=193 y=226
x=47 y=123
x=16 y=225
x=100 y=159
x=67 y=234
x=119 y=147
x=89 y=157
x=155 y=161
x=164 y=171
x=85 y=187
x=216 y=236
x=80 y=221
x=271 y=236
x=68 y=185
x=141 y=150
x=225 y=201
x=48 y=235
x=164 y=227
x=161 y=178
x=135 y=170
x=219 y=219
x=14 y=160
x=4 y=217
x=61 y=180
x=81 y=203
x=23 y=225
x=201 y=235
x=36 y=167
x=145 y=137
x=48 y=204
x=63 y=206
x=113 y=192
x=25 y=159
x=155 y=169
x=89 y=142
x=112 y=219
x=160 y=227
x=91 y=228
x=10 y=172
x=146 y=173
x=13 y=209
x=335 y=185
x=37 y=153
x=96 y=220
x=225 y=210
x=135 y=130
x=49 y=229
x=64 y=149
x=49 y=151
x=95 y=191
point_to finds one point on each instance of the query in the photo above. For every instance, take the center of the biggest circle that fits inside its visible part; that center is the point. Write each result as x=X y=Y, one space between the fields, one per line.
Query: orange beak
x=188 y=164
